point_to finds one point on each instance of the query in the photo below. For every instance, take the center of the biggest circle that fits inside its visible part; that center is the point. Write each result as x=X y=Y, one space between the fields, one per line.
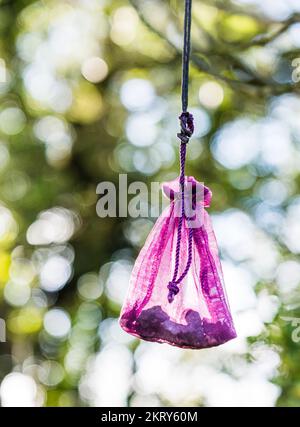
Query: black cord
x=186 y=54
x=187 y=129
x=186 y=119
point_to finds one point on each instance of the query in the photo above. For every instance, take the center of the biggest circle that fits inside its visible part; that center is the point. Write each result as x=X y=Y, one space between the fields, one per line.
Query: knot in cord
x=187 y=127
x=173 y=290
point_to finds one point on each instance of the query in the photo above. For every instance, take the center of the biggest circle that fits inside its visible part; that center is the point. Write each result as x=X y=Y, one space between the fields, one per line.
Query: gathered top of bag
x=194 y=192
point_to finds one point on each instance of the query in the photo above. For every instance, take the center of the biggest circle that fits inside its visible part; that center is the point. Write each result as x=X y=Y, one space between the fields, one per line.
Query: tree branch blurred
x=252 y=81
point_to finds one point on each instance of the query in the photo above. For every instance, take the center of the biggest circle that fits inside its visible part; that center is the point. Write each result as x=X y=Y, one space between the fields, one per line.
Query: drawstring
x=173 y=284
x=187 y=129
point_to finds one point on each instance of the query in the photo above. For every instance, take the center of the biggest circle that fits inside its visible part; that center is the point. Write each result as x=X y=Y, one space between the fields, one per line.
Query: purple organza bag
x=191 y=309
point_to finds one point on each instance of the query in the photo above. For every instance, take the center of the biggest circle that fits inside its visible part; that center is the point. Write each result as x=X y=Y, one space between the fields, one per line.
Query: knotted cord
x=187 y=129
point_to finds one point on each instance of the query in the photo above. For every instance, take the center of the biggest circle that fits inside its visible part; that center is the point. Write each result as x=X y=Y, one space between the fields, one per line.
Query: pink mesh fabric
x=199 y=315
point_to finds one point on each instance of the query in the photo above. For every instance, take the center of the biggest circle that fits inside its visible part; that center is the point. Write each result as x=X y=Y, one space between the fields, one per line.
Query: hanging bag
x=176 y=291
x=192 y=311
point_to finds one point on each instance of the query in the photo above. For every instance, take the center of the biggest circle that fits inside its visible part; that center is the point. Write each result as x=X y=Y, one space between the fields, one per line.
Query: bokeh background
x=91 y=89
